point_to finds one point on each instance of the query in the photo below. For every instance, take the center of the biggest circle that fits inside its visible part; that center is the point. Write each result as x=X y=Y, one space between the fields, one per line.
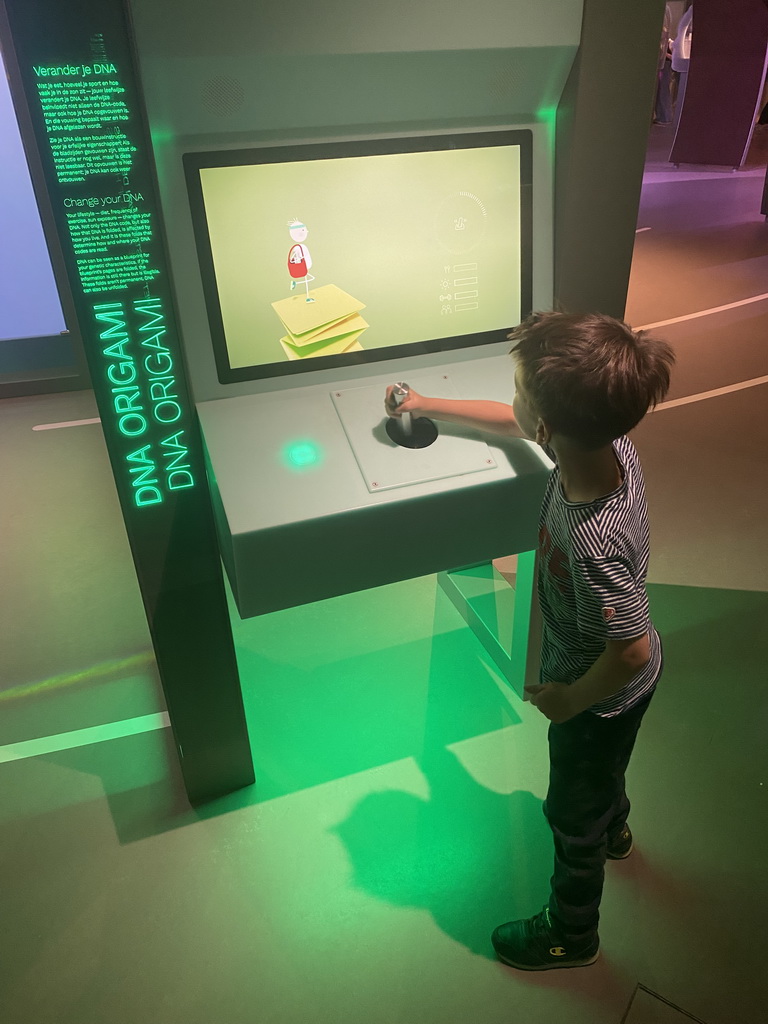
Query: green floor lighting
x=93 y=674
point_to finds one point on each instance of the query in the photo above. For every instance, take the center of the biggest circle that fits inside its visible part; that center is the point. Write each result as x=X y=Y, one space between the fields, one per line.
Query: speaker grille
x=223 y=95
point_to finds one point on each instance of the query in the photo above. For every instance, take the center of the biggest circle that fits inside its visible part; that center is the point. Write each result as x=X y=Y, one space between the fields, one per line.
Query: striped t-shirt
x=593 y=560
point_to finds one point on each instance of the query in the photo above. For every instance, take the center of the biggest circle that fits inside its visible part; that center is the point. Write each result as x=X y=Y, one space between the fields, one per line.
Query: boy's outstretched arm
x=495 y=417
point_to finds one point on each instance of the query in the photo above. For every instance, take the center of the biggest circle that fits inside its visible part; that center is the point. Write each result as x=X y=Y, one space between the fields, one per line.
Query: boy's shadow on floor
x=472 y=857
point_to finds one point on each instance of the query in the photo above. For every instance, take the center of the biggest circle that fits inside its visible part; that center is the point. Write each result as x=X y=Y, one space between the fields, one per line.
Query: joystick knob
x=404 y=430
x=400 y=392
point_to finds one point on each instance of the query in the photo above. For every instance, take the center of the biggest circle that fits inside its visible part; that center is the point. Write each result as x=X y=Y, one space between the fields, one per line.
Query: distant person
x=681 y=58
x=681 y=47
x=662 y=110
x=581 y=383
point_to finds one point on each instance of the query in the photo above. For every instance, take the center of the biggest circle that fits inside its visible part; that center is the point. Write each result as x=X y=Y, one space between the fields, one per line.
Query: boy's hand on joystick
x=408 y=425
x=411 y=403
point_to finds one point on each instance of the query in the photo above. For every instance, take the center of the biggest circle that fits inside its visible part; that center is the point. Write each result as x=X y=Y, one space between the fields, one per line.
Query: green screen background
x=388 y=229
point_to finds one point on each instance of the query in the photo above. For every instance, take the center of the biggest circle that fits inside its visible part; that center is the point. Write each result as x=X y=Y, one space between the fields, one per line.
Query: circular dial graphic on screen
x=460 y=222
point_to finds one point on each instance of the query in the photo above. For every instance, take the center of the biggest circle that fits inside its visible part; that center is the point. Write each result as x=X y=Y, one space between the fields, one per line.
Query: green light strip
x=100 y=671
x=82 y=737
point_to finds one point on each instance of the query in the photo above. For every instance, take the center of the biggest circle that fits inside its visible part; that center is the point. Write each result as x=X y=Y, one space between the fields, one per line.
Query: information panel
x=78 y=70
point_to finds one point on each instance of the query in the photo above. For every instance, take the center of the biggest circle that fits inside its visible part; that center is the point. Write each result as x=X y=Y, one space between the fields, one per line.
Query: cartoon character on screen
x=299 y=260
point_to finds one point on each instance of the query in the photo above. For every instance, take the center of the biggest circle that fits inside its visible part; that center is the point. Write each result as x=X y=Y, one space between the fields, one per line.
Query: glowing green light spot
x=160 y=135
x=548 y=114
x=303 y=453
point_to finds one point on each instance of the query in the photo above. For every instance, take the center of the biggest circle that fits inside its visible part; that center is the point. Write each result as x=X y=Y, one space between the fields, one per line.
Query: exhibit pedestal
x=504 y=618
x=297 y=521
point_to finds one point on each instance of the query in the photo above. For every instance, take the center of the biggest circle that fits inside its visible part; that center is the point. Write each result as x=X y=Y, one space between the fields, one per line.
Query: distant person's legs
x=663 y=111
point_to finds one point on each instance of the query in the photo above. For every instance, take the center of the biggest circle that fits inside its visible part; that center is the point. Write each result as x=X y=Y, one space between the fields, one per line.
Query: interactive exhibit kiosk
x=414 y=245
x=316 y=258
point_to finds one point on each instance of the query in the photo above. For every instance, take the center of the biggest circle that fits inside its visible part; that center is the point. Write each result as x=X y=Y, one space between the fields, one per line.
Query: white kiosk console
x=407 y=246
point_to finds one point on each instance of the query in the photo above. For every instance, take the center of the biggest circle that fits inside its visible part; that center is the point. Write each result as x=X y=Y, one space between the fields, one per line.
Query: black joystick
x=405 y=430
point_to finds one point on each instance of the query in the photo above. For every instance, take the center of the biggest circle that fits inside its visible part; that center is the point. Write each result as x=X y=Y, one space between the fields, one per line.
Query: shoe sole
x=549 y=967
x=621 y=856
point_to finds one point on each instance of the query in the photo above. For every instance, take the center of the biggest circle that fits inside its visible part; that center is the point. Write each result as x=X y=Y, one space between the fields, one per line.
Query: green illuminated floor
x=396 y=820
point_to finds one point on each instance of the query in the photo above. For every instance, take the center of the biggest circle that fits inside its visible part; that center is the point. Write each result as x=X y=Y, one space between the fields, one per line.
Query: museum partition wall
x=345 y=199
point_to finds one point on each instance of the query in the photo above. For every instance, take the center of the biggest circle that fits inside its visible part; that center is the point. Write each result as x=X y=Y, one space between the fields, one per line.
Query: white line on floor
x=82 y=737
x=68 y=423
x=641 y=229
x=703 y=312
x=672 y=177
x=712 y=394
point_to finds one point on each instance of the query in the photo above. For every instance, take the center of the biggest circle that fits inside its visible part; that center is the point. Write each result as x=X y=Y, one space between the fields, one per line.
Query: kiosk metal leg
x=505 y=619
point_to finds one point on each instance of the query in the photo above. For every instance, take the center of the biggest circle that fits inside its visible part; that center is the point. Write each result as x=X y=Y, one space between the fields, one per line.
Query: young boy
x=582 y=382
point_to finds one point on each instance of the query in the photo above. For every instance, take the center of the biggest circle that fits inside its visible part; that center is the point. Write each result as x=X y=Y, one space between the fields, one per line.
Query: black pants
x=586 y=805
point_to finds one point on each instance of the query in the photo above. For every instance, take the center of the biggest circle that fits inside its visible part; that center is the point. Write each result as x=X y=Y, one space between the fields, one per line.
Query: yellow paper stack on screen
x=329 y=325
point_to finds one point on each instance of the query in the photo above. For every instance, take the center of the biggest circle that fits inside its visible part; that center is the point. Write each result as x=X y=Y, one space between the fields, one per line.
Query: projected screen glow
x=314 y=256
x=29 y=299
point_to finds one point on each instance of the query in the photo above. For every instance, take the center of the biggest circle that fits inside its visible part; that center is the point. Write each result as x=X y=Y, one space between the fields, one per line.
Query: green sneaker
x=621 y=846
x=534 y=945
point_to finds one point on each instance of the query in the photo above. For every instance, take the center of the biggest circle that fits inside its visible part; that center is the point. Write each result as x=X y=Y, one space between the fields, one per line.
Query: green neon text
x=144 y=482
x=122 y=368
x=60 y=70
x=159 y=362
x=178 y=473
x=126 y=395
x=144 y=391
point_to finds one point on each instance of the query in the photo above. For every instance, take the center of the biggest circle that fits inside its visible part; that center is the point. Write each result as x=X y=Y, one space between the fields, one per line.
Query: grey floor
x=397 y=817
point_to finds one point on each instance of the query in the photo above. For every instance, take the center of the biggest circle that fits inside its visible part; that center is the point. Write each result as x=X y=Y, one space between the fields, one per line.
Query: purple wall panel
x=728 y=54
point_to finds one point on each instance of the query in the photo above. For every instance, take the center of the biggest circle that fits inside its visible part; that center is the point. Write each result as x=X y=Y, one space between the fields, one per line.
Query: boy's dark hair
x=590 y=377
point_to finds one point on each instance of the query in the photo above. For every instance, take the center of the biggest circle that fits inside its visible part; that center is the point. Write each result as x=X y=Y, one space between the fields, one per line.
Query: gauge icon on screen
x=460 y=222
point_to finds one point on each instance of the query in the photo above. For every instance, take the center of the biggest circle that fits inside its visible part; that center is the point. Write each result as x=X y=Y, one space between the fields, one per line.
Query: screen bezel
x=195 y=162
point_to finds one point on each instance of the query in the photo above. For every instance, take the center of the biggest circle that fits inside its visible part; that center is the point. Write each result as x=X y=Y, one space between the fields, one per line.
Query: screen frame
x=194 y=163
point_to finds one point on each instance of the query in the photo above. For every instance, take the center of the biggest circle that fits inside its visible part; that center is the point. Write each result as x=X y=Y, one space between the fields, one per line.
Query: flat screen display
x=326 y=255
